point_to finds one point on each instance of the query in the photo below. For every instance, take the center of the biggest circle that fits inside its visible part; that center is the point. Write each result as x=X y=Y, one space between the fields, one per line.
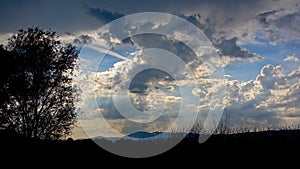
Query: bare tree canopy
x=37 y=97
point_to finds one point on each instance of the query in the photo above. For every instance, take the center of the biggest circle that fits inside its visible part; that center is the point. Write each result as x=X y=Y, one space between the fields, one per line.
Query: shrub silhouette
x=37 y=97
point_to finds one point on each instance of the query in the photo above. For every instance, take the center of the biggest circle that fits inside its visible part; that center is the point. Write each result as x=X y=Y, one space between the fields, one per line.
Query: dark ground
x=270 y=148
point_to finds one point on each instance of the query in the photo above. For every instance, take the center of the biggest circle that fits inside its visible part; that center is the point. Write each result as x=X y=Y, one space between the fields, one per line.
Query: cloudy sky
x=255 y=42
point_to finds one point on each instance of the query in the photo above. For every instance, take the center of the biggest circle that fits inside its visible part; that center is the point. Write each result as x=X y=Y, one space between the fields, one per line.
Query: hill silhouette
x=252 y=146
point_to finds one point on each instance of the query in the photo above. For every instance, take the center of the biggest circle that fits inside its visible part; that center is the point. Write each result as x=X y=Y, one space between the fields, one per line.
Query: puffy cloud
x=271 y=99
x=271 y=77
x=290 y=58
x=285 y=102
x=249 y=103
x=294 y=74
x=142 y=92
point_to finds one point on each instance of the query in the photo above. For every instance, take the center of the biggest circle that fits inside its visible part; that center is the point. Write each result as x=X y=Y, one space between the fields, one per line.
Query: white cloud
x=272 y=99
x=271 y=77
x=290 y=58
x=294 y=74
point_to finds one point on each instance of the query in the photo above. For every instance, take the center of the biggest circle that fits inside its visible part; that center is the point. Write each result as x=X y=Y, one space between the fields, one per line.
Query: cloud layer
x=272 y=98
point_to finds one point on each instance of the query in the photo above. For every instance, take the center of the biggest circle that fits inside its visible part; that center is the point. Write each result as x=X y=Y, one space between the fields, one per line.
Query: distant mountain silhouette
x=133 y=136
x=143 y=134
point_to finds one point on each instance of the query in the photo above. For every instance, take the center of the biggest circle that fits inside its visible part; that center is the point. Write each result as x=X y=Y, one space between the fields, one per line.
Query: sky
x=256 y=44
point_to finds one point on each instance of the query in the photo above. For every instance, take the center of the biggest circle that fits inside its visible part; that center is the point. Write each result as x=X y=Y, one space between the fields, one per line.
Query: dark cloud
x=108 y=110
x=232 y=14
x=79 y=15
x=227 y=47
x=292 y=115
x=127 y=41
x=113 y=117
x=105 y=15
x=263 y=17
x=166 y=43
x=246 y=114
x=83 y=40
x=203 y=23
x=178 y=6
x=140 y=83
x=280 y=25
